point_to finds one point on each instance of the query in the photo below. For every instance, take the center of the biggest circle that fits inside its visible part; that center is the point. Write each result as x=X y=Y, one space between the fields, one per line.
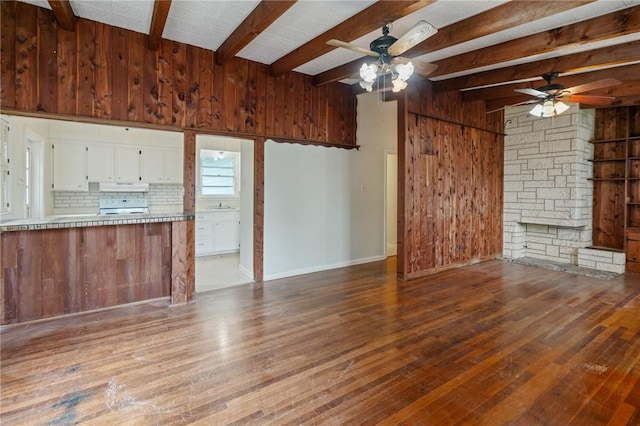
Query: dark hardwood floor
x=494 y=343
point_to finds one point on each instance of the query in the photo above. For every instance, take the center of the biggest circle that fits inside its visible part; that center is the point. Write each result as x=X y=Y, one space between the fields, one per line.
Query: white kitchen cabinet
x=217 y=232
x=127 y=164
x=100 y=163
x=173 y=166
x=69 y=166
x=161 y=165
x=152 y=165
x=204 y=234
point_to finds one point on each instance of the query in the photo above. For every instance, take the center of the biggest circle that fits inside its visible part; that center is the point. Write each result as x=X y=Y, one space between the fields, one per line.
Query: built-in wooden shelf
x=606 y=249
x=608 y=140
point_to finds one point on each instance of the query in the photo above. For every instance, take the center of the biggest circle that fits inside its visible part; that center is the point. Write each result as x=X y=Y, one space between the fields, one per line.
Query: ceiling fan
x=387 y=49
x=550 y=96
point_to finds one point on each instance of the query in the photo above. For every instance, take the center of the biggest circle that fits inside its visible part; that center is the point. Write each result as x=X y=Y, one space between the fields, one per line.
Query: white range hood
x=123 y=187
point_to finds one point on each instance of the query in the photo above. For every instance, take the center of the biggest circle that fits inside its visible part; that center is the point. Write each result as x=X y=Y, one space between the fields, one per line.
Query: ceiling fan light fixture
x=398 y=85
x=404 y=71
x=369 y=73
x=561 y=107
x=536 y=110
x=549 y=108
x=366 y=85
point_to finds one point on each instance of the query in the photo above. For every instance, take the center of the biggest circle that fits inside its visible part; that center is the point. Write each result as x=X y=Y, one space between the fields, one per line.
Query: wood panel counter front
x=57 y=267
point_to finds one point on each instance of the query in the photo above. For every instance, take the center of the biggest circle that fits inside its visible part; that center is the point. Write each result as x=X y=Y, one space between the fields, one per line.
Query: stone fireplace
x=547 y=191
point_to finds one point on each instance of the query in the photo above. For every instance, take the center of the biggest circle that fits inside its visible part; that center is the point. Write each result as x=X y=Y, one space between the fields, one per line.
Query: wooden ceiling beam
x=577 y=62
x=158 y=20
x=497 y=19
x=372 y=18
x=633 y=100
x=623 y=73
x=503 y=17
x=604 y=27
x=64 y=14
x=263 y=15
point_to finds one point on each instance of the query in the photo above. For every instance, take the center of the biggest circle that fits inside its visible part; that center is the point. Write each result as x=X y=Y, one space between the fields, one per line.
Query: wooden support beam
x=158 y=20
x=189 y=172
x=64 y=14
x=258 y=209
x=372 y=18
x=403 y=242
x=577 y=62
x=499 y=18
x=263 y=15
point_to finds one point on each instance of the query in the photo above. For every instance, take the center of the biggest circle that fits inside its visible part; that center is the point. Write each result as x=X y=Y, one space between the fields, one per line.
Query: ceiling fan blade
x=532 y=92
x=590 y=100
x=531 y=101
x=420 y=32
x=355 y=48
x=422 y=68
x=598 y=84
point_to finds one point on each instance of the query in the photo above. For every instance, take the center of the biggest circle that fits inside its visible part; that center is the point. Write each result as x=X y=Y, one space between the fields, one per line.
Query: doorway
x=224 y=212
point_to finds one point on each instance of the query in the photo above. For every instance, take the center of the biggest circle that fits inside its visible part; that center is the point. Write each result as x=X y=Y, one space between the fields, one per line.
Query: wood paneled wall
x=60 y=271
x=450 y=203
x=103 y=72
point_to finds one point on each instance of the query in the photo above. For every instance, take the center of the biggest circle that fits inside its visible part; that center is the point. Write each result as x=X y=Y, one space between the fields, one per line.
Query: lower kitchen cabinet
x=217 y=232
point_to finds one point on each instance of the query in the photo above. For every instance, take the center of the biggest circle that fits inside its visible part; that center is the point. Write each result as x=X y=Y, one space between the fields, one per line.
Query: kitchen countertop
x=217 y=209
x=77 y=221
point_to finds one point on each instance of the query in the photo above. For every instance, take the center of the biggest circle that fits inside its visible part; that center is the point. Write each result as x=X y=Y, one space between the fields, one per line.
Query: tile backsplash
x=161 y=197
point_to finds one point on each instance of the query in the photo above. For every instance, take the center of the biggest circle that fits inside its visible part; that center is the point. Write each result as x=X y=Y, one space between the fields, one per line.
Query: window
x=4 y=168
x=219 y=173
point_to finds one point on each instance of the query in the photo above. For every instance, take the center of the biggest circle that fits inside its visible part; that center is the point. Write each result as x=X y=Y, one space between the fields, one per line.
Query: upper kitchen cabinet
x=69 y=166
x=161 y=165
x=100 y=163
x=84 y=153
x=173 y=162
x=127 y=164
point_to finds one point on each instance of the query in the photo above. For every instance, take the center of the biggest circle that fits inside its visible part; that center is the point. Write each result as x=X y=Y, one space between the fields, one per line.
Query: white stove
x=122 y=206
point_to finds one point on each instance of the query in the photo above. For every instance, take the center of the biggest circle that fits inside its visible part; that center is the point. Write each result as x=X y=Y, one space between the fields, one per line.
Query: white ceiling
x=207 y=23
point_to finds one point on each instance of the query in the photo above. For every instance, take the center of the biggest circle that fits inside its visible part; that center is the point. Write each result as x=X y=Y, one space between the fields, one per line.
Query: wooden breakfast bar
x=62 y=265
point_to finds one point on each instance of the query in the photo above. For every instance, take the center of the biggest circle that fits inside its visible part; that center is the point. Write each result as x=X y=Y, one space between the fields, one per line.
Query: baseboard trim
x=320 y=268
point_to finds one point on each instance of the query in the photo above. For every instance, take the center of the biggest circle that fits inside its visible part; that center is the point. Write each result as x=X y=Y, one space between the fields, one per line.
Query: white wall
x=325 y=207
